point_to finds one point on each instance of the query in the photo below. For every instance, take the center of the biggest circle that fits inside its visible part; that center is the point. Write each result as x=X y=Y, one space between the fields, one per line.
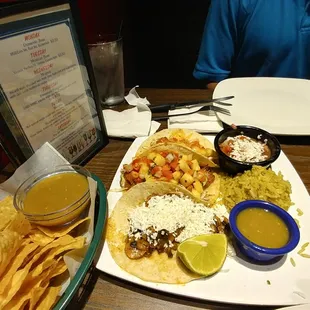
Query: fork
x=204 y=108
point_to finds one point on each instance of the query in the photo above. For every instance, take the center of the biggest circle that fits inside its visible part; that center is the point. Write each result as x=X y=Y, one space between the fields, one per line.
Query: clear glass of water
x=107 y=61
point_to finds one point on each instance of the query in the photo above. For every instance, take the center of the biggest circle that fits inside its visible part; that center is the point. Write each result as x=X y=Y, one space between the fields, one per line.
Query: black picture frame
x=20 y=152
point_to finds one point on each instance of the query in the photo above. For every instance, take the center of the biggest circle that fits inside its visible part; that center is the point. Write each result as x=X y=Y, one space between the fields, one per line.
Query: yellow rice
x=293 y=262
x=257 y=183
x=304 y=255
x=299 y=212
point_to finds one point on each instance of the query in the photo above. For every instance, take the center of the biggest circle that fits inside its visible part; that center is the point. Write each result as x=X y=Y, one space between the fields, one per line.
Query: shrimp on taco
x=150 y=221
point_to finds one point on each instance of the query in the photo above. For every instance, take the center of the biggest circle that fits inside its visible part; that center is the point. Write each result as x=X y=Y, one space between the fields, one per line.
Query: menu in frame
x=46 y=93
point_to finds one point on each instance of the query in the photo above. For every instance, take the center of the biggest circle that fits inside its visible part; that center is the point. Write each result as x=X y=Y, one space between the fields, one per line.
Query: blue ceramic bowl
x=254 y=251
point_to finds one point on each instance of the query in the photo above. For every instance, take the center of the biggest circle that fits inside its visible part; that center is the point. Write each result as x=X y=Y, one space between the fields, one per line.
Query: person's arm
x=218 y=43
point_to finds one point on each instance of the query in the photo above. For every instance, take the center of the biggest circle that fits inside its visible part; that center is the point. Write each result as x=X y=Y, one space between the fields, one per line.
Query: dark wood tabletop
x=106 y=292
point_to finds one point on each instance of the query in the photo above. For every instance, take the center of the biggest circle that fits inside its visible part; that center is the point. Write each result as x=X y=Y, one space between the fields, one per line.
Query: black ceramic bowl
x=233 y=166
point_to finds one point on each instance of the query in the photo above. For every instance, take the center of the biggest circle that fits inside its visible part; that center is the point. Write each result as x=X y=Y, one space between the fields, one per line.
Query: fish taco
x=150 y=221
x=183 y=140
x=173 y=167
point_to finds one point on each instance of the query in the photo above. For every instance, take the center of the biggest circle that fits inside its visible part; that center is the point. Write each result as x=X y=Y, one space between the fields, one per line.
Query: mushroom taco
x=148 y=223
x=182 y=140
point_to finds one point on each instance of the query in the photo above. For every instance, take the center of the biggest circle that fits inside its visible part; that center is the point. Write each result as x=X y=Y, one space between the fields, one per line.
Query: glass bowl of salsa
x=263 y=230
x=54 y=196
x=240 y=148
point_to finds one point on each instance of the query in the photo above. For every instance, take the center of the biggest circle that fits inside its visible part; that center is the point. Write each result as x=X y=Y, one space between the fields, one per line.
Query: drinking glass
x=107 y=61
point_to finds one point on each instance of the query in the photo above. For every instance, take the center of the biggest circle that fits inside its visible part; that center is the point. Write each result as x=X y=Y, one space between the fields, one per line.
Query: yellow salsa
x=55 y=192
x=263 y=227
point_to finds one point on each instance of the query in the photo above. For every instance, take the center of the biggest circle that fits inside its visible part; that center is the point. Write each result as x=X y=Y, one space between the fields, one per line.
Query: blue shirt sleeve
x=218 y=45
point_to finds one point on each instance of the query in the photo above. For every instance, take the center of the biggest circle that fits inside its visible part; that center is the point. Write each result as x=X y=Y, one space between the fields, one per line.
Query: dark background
x=161 y=38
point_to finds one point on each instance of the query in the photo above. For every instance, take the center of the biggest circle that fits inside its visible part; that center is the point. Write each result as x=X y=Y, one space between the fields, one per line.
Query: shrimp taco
x=176 y=168
x=150 y=221
x=183 y=140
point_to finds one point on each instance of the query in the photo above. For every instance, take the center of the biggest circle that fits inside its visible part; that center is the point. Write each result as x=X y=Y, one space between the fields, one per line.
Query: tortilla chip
x=49 y=258
x=32 y=290
x=49 y=298
x=57 y=270
x=19 y=224
x=7 y=212
x=37 y=236
x=157 y=267
x=15 y=264
x=14 y=285
x=10 y=241
x=59 y=232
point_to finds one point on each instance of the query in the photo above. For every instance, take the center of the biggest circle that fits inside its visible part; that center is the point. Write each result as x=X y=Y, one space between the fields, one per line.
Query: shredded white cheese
x=246 y=149
x=171 y=212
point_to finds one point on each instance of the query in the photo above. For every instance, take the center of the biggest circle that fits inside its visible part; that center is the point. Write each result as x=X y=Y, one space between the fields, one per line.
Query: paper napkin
x=203 y=122
x=131 y=123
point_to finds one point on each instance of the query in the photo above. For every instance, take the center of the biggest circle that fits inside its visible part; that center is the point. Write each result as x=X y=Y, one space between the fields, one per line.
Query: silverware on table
x=203 y=108
x=171 y=106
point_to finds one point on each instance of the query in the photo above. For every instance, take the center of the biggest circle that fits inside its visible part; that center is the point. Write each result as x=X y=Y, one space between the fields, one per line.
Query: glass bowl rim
x=38 y=173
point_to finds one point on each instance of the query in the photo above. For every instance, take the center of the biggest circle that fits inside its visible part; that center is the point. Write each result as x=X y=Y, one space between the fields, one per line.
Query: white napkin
x=203 y=122
x=131 y=123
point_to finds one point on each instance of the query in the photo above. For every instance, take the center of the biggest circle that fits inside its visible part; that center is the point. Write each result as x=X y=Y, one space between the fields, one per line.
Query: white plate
x=278 y=105
x=238 y=282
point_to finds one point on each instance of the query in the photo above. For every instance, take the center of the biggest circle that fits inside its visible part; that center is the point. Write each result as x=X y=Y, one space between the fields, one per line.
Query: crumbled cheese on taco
x=171 y=212
x=246 y=149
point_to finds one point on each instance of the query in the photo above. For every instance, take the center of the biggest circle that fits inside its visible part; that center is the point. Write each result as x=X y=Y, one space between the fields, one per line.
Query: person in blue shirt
x=248 y=38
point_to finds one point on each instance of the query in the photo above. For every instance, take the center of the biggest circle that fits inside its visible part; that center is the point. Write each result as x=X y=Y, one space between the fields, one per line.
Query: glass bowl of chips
x=54 y=196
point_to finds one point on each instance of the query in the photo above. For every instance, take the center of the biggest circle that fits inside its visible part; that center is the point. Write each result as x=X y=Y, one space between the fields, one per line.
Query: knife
x=171 y=106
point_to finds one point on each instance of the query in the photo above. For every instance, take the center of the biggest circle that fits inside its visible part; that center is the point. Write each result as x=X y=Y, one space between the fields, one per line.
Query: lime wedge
x=204 y=254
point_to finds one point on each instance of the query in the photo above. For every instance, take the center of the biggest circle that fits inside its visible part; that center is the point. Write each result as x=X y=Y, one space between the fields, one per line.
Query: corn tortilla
x=158 y=267
x=181 y=147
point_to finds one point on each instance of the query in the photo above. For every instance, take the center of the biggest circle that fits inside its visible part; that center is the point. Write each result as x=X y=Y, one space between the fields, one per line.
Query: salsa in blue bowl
x=263 y=231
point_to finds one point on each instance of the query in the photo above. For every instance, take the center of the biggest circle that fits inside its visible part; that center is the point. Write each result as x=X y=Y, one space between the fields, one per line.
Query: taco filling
x=162 y=222
x=170 y=167
x=194 y=145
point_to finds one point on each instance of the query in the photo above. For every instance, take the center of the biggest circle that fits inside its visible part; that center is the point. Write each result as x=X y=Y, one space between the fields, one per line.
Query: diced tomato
x=226 y=149
x=167 y=174
x=174 y=164
x=146 y=160
x=141 y=160
x=157 y=172
x=166 y=167
x=164 y=154
x=156 y=169
x=136 y=161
